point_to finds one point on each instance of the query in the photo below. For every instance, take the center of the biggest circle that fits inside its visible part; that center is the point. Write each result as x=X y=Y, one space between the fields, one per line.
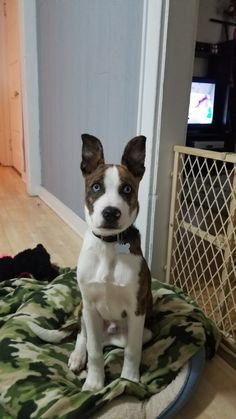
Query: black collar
x=119 y=238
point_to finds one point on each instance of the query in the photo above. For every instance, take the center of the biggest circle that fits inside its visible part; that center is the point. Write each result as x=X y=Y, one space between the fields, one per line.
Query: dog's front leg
x=77 y=358
x=94 y=328
x=133 y=349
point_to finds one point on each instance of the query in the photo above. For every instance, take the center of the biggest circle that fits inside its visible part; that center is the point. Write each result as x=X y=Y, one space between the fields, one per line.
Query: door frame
x=152 y=66
x=5 y=146
x=30 y=93
x=150 y=104
x=154 y=29
x=13 y=71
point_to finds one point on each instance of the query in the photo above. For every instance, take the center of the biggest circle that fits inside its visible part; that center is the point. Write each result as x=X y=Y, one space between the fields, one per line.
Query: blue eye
x=127 y=189
x=96 y=187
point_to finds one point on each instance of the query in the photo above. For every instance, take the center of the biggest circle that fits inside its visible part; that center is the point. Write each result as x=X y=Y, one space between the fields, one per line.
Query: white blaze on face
x=111 y=197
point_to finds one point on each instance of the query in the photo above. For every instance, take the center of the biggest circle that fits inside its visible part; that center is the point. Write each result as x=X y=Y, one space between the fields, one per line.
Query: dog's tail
x=54 y=335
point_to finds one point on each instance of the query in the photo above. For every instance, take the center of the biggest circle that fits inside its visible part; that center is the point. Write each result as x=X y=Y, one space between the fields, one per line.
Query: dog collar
x=119 y=238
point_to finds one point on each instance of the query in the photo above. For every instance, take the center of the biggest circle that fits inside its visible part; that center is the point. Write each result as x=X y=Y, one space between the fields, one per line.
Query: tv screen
x=201 y=105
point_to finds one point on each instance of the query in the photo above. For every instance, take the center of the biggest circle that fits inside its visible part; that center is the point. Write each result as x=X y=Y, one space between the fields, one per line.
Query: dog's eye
x=96 y=187
x=127 y=189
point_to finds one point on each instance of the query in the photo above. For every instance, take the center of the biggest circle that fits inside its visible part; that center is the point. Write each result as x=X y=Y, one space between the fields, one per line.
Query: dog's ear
x=134 y=156
x=92 y=154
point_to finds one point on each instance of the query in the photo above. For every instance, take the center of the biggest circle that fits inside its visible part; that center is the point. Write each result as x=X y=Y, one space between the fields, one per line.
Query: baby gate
x=202 y=236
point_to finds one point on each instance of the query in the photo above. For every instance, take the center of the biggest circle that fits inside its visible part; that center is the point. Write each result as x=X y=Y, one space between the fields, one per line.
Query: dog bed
x=35 y=381
x=163 y=405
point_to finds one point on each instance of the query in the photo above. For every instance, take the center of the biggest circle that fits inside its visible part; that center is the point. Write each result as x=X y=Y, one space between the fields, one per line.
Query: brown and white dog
x=112 y=274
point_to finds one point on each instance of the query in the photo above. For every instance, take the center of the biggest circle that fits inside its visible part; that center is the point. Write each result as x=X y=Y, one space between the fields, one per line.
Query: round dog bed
x=180 y=391
x=34 y=375
x=164 y=405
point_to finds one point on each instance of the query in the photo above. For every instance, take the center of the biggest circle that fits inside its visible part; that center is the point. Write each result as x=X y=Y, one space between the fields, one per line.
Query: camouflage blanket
x=35 y=381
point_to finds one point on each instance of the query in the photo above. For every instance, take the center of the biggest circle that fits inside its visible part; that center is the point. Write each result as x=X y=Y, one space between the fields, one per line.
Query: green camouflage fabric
x=35 y=381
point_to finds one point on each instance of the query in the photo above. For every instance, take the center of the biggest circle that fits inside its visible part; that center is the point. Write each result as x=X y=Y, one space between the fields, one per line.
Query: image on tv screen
x=201 y=104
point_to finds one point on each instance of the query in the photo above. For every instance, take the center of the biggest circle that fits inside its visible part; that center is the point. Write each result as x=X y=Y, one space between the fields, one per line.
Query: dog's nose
x=111 y=214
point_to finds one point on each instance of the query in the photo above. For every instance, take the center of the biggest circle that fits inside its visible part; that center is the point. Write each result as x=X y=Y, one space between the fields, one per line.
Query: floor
x=26 y=221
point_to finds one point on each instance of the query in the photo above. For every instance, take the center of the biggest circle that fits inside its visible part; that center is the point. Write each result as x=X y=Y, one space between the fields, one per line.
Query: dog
x=113 y=276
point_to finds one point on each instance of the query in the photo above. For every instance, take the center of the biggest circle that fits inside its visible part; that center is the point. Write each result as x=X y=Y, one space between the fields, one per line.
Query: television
x=202 y=103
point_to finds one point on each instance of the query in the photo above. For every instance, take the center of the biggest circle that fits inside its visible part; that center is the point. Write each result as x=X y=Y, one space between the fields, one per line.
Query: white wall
x=181 y=38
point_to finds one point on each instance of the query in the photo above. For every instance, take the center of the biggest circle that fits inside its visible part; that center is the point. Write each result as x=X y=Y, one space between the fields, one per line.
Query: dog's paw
x=77 y=360
x=94 y=382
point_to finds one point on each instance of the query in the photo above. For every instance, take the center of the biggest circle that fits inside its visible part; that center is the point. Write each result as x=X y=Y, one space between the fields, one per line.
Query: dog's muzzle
x=111 y=217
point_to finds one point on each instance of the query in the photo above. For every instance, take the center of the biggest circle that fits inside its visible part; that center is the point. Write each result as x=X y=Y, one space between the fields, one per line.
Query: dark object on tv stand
x=207 y=142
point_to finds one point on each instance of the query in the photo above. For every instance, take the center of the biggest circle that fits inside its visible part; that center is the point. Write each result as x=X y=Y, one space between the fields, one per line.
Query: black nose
x=111 y=214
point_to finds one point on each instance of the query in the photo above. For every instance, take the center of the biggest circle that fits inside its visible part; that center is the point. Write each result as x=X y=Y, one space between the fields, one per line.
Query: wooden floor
x=26 y=221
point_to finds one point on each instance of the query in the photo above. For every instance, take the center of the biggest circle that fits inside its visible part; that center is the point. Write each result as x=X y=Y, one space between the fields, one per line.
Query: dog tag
x=122 y=248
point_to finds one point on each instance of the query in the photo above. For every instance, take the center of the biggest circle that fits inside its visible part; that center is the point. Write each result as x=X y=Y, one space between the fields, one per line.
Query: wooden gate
x=202 y=235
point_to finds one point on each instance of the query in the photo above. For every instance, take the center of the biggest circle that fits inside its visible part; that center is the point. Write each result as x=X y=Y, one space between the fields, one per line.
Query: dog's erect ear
x=134 y=156
x=92 y=154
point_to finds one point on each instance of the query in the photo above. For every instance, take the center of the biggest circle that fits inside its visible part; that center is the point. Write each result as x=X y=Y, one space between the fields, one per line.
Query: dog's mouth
x=110 y=220
x=108 y=229
x=110 y=226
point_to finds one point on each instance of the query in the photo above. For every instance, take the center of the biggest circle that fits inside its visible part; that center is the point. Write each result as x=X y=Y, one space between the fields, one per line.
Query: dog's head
x=111 y=191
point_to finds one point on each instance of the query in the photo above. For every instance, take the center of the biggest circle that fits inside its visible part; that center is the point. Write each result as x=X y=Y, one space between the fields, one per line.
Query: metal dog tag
x=122 y=248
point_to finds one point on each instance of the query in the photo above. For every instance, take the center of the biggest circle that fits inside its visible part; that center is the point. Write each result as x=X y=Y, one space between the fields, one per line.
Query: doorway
x=12 y=141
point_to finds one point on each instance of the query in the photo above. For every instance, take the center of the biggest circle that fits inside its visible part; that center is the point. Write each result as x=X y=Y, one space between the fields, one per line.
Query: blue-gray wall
x=89 y=65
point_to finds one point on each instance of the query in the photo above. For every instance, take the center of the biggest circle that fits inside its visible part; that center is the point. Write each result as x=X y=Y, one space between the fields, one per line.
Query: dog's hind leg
x=78 y=357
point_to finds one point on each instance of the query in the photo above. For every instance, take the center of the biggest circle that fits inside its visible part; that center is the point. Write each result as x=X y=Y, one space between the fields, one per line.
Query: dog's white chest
x=111 y=300
x=109 y=279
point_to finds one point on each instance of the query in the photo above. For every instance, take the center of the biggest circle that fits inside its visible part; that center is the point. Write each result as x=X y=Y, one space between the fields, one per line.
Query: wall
x=89 y=63
x=181 y=38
